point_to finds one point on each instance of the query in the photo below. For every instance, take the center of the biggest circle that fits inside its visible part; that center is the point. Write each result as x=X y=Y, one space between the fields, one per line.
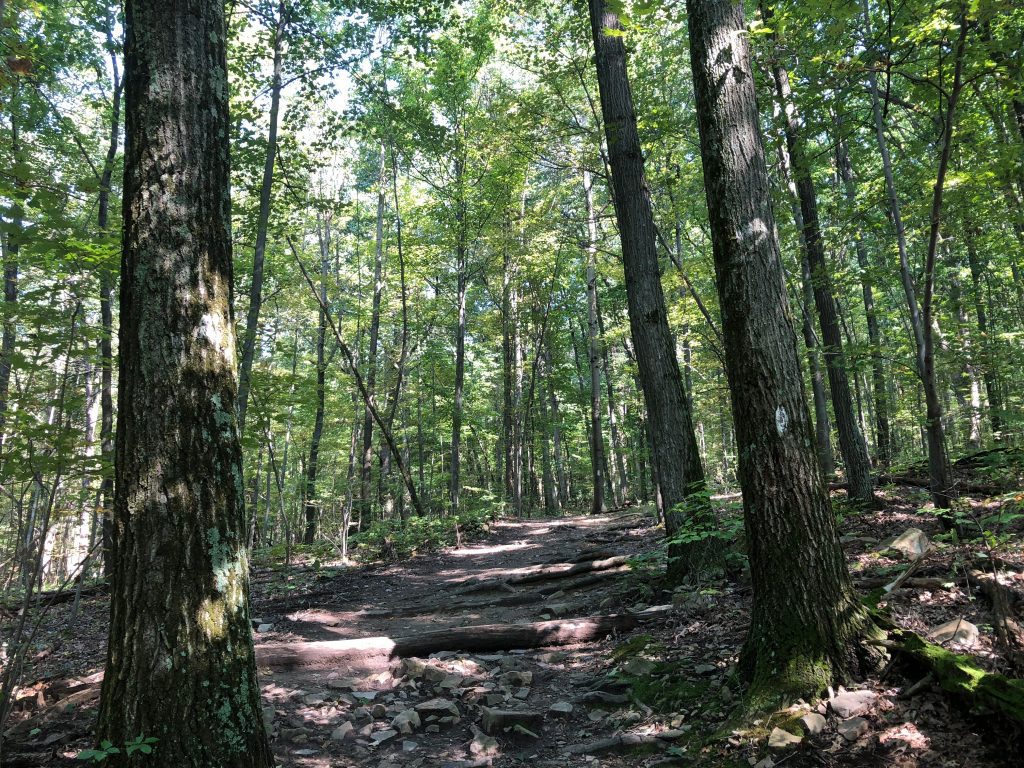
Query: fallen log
x=372 y=654
x=585 y=581
x=621 y=742
x=961 y=676
x=546 y=573
x=54 y=597
x=1008 y=629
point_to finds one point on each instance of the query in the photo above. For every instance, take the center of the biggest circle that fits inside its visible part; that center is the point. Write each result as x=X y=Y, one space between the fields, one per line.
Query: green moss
x=634 y=646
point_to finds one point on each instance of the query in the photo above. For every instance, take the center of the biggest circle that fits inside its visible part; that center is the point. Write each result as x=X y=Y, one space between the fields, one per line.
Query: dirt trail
x=434 y=712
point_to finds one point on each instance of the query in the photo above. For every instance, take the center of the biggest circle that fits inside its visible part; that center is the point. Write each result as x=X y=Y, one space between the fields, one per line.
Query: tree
x=180 y=664
x=806 y=619
x=676 y=461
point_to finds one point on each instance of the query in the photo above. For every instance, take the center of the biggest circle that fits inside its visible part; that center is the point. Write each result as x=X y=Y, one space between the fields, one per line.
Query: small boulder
x=780 y=739
x=496 y=721
x=852 y=703
x=440 y=707
x=852 y=728
x=813 y=723
x=958 y=631
x=344 y=732
x=483 y=745
x=380 y=737
x=264 y=628
x=406 y=721
x=560 y=709
x=912 y=543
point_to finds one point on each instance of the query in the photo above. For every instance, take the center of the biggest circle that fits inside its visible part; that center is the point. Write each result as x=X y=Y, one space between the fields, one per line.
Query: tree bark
x=593 y=353
x=180 y=664
x=675 y=457
x=455 y=482
x=805 y=617
x=978 y=265
x=371 y=362
x=851 y=441
x=310 y=504
x=263 y=219
x=883 y=433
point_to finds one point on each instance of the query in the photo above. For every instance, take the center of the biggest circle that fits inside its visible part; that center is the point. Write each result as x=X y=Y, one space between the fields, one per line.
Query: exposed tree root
x=961 y=676
x=622 y=742
x=377 y=653
x=545 y=573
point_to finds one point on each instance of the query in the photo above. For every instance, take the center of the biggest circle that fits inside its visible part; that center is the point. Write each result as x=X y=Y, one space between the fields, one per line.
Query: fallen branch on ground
x=376 y=653
x=545 y=573
x=624 y=741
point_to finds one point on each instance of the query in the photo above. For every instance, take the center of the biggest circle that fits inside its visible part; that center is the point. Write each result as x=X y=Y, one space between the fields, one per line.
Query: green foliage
x=141 y=744
x=397 y=539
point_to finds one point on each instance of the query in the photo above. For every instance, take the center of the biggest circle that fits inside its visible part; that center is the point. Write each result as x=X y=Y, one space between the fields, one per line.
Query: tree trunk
x=455 y=481
x=180 y=664
x=593 y=353
x=620 y=486
x=371 y=362
x=263 y=218
x=310 y=504
x=11 y=247
x=920 y=314
x=978 y=265
x=675 y=457
x=805 y=616
x=883 y=437
x=851 y=441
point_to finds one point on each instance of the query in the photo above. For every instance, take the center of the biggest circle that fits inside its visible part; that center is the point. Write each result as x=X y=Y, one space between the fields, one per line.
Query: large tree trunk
x=256 y=288
x=883 y=436
x=851 y=441
x=180 y=664
x=805 y=616
x=675 y=456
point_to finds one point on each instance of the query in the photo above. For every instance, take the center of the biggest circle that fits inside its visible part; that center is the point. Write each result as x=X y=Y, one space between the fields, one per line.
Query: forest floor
x=572 y=694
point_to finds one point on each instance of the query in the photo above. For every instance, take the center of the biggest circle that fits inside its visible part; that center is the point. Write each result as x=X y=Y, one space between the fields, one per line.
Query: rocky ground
x=541 y=683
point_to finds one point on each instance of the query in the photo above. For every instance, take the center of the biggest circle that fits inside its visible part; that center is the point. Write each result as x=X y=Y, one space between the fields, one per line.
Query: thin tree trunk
x=371 y=363
x=978 y=265
x=851 y=441
x=593 y=353
x=883 y=438
x=674 y=456
x=310 y=501
x=620 y=486
x=180 y=663
x=262 y=220
x=455 y=482
x=805 y=616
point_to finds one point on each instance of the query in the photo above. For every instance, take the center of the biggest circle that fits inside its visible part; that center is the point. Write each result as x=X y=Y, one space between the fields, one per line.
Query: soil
x=670 y=682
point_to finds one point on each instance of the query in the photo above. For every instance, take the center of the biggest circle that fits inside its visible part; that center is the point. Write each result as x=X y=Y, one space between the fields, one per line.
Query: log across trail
x=374 y=654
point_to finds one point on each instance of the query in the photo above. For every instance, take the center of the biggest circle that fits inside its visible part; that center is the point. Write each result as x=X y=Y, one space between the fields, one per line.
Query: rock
x=406 y=721
x=765 y=762
x=438 y=707
x=343 y=684
x=852 y=703
x=521 y=693
x=409 y=746
x=705 y=669
x=958 y=631
x=637 y=666
x=268 y=716
x=451 y=682
x=483 y=745
x=557 y=609
x=813 y=723
x=344 y=732
x=516 y=678
x=496 y=721
x=852 y=728
x=596 y=715
x=780 y=739
x=365 y=695
x=313 y=699
x=494 y=699
x=911 y=543
x=264 y=628
x=560 y=709
x=305 y=752
x=382 y=736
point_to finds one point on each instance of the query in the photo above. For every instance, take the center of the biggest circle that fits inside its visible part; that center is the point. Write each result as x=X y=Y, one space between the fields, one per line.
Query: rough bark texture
x=180 y=663
x=311 y=505
x=674 y=456
x=883 y=433
x=805 y=617
x=256 y=288
x=597 y=459
x=851 y=442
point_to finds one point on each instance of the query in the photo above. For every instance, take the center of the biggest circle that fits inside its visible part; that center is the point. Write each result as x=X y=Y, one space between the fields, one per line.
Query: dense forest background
x=432 y=293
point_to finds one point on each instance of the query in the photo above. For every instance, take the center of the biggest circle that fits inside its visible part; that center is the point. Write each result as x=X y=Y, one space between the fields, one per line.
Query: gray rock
x=409 y=746
x=813 y=723
x=911 y=543
x=365 y=695
x=497 y=721
x=780 y=739
x=406 y=721
x=852 y=728
x=637 y=666
x=958 y=631
x=313 y=699
x=438 y=707
x=483 y=745
x=852 y=703
x=560 y=709
x=382 y=736
x=516 y=678
x=264 y=628
x=344 y=732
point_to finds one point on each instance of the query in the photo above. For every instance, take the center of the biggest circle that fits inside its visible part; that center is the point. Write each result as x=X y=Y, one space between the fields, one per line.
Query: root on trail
x=546 y=573
x=374 y=654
